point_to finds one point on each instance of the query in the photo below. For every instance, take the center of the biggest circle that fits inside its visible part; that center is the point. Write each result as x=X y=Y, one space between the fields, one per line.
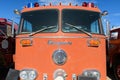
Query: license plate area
x=86 y=78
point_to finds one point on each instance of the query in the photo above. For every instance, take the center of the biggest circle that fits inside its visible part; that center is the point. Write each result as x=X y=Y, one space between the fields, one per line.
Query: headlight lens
x=92 y=73
x=59 y=78
x=28 y=74
x=59 y=57
x=32 y=74
x=59 y=74
x=23 y=75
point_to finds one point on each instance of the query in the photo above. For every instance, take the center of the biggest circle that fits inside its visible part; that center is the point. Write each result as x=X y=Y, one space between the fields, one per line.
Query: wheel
x=116 y=68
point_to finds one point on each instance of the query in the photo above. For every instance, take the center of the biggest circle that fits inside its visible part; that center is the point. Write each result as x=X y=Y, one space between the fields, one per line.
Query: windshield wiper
x=46 y=28
x=89 y=34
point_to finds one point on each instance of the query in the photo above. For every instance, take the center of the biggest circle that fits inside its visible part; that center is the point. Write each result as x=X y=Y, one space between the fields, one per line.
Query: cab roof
x=86 y=6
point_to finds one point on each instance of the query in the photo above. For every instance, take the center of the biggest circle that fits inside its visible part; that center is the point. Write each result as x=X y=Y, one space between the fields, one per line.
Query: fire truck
x=114 y=53
x=60 y=42
x=7 y=45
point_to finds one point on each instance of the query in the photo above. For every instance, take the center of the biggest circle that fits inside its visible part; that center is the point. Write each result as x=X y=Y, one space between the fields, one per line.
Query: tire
x=116 y=70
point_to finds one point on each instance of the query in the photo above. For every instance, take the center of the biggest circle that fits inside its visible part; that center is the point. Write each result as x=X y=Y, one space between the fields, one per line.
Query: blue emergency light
x=30 y=5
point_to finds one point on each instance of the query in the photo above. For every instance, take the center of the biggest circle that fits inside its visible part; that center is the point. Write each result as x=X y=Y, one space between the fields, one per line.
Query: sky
x=112 y=6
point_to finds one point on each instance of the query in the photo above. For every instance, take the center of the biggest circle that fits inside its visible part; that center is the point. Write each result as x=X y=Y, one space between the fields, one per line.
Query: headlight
x=59 y=57
x=32 y=75
x=28 y=74
x=92 y=73
x=59 y=78
x=23 y=75
x=60 y=74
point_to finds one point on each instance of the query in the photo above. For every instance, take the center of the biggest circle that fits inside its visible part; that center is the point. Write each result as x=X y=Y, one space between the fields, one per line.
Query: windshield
x=84 y=20
x=3 y=29
x=39 y=20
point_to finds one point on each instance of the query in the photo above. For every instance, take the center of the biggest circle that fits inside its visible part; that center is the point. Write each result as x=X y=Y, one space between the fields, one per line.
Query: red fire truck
x=7 y=45
x=114 y=53
x=60 y=42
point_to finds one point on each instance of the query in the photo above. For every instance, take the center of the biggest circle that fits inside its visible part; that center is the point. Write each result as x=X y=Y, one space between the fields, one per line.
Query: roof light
x=70 y=4
x=91 y=5
x=60 y=3
x=30 y=5
x=50 y=4
x=36 y=4
x=84 y=4
x=25 y=6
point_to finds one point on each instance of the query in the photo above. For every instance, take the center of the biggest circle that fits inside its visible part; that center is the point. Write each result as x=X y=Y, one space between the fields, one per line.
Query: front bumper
x=14 y=75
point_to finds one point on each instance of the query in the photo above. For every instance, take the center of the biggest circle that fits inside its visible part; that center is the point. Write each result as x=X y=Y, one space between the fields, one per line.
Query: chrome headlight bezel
x=92 y=73
x=59 y=57
x=29 y=74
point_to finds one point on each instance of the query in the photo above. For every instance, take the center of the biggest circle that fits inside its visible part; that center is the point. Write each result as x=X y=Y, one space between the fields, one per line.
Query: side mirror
x=12 y=27
x=9 y=31
x=16 y=11
x=114 y=35
x=104 y=13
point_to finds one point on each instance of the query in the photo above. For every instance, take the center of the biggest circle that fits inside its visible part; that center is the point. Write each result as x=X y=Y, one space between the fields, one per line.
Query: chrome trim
x=60 y=37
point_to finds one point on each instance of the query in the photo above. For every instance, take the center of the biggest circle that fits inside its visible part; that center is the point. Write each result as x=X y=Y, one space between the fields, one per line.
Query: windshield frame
x=5 y=28
x=22 y=22
x=101 y=31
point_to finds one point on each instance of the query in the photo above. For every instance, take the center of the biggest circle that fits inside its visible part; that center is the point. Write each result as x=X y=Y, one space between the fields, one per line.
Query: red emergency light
x=36 y=4
x=85 y=4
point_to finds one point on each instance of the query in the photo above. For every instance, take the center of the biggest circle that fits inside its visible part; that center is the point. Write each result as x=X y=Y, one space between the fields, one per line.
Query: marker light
x=93 y=42
x=26 y=42
x=84 y=4
x=36 y=4
x=70 y=4
x=60 y=3
x=50 y=4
